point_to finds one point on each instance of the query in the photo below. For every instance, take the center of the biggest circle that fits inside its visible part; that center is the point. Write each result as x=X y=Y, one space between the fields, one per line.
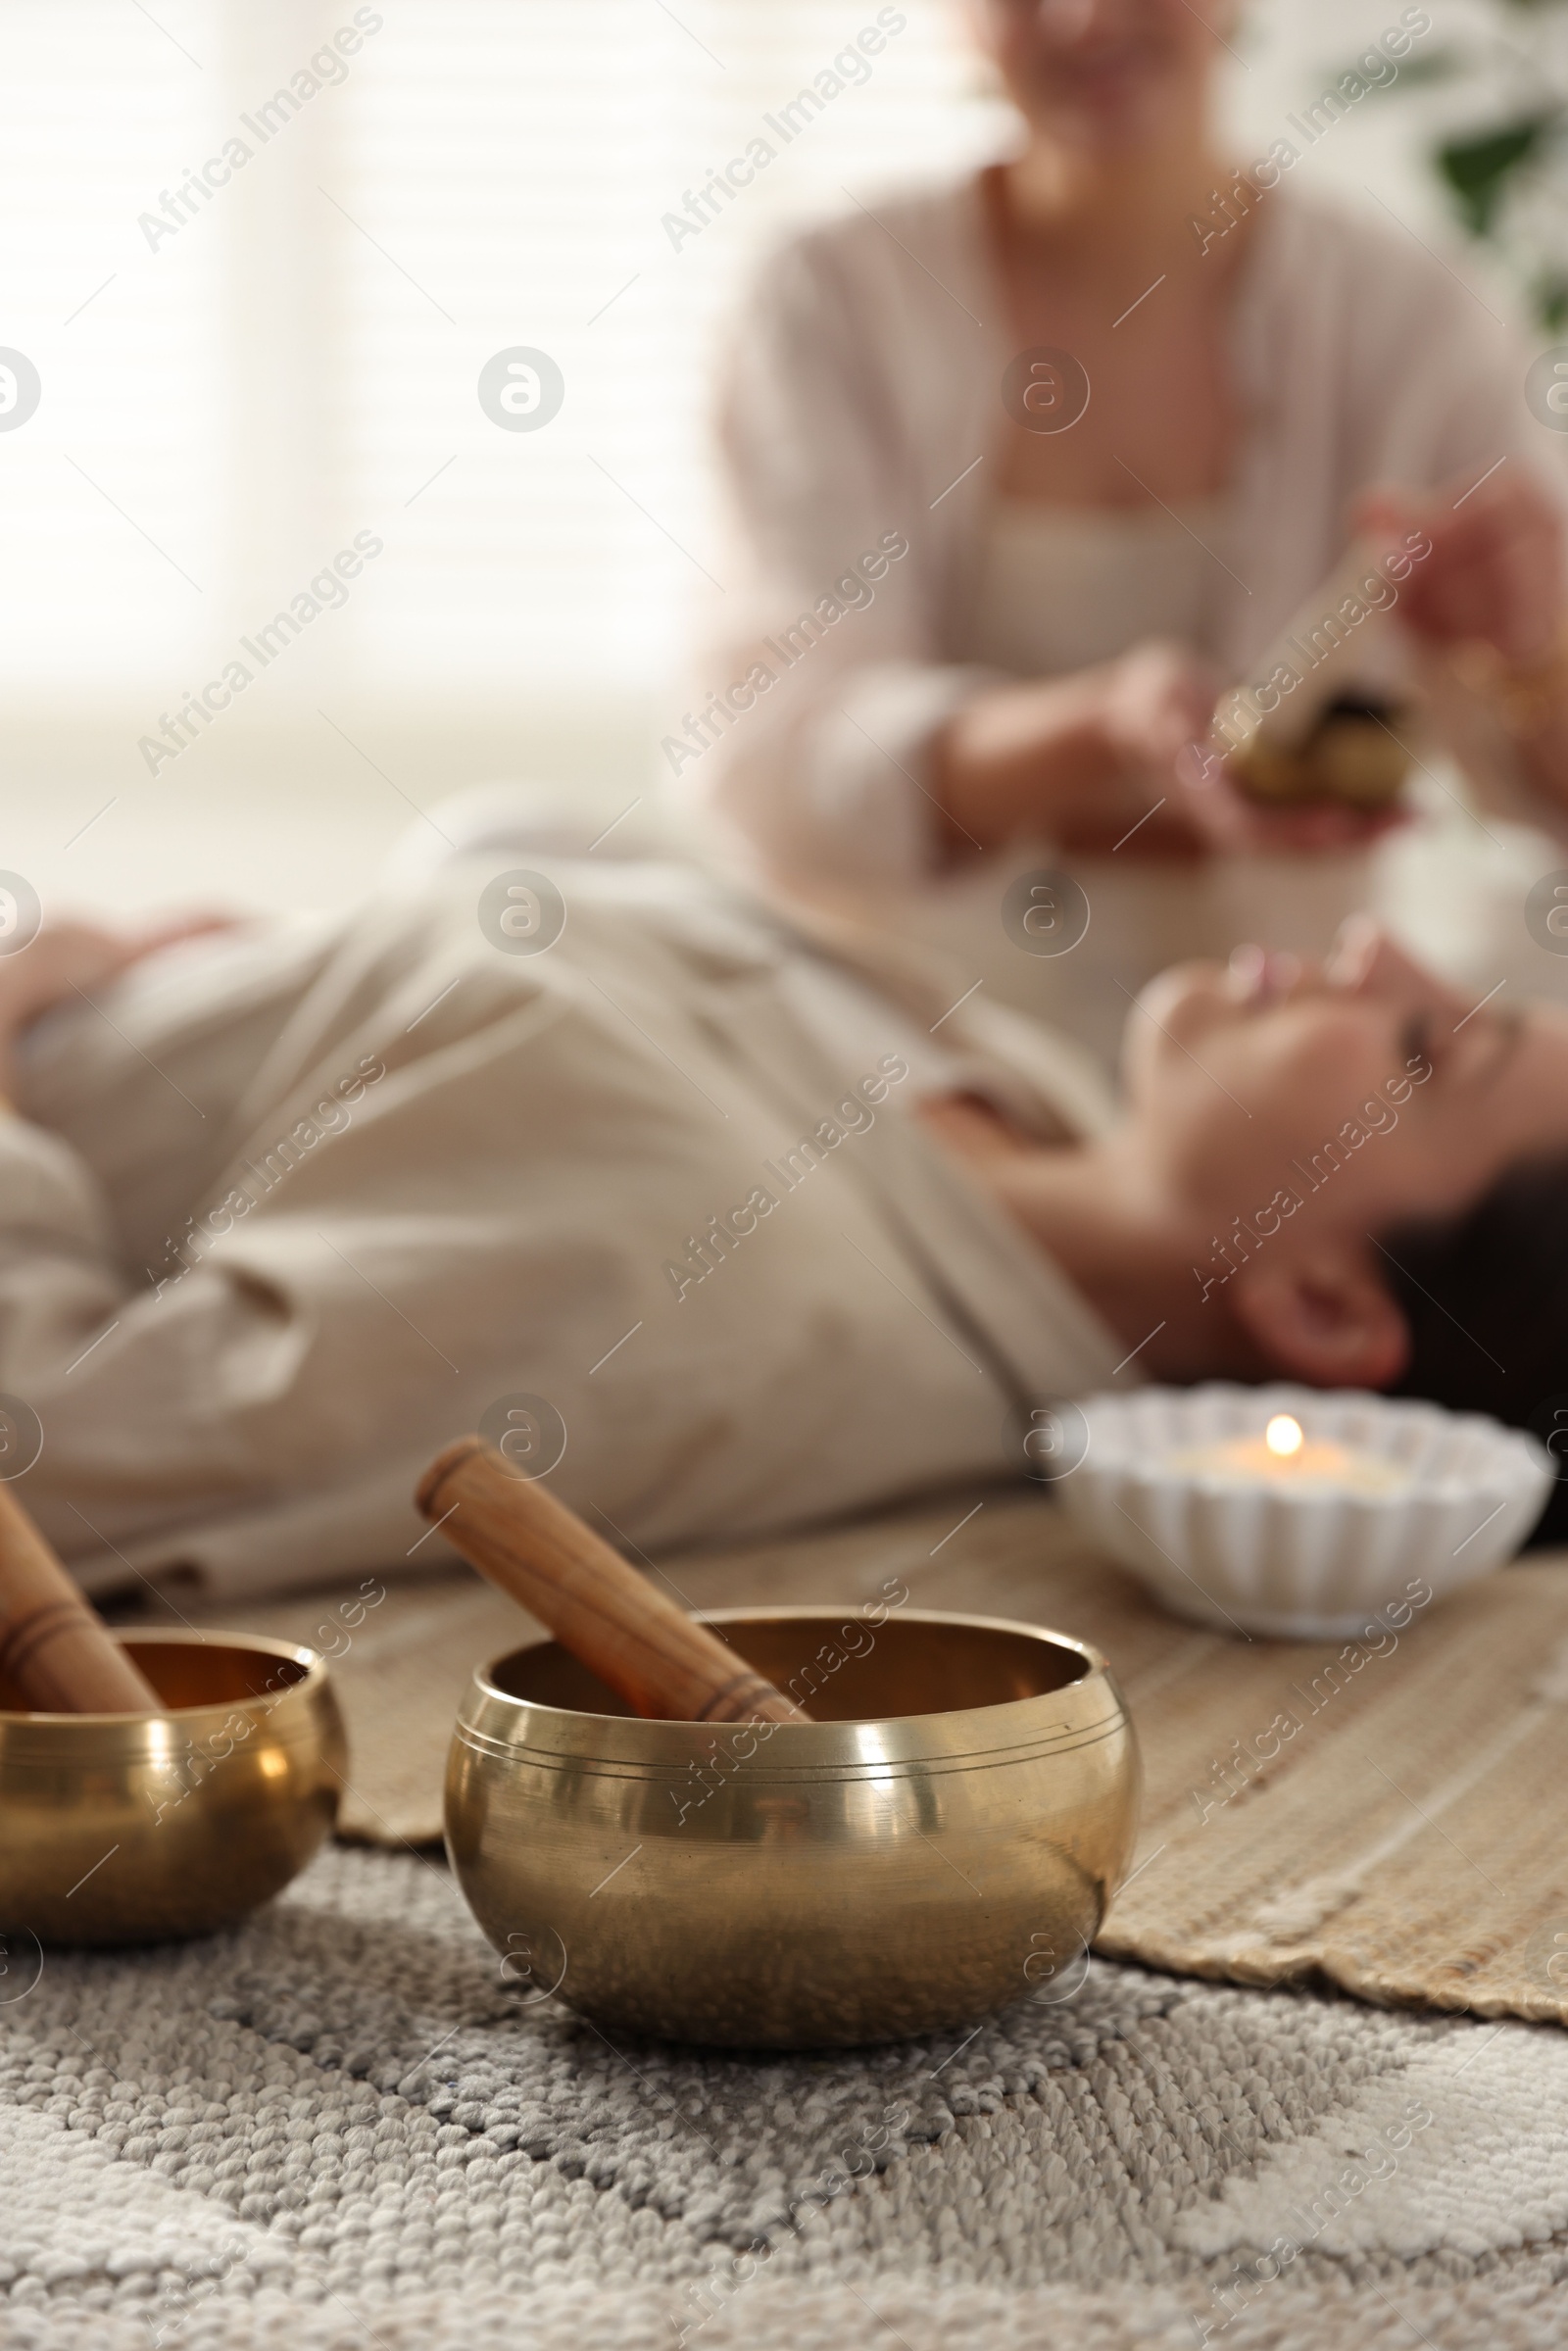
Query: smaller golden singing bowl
x=1353 y=757
x=940 y=1842
x=136 y=1828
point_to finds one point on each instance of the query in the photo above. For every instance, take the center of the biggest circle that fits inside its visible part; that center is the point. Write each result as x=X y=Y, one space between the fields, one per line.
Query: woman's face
x=1101 y=73
x=1363 y=1086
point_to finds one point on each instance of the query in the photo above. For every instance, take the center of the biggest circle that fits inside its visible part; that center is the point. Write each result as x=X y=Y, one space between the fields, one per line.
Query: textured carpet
x=1384 y=1812
x=341 y=2125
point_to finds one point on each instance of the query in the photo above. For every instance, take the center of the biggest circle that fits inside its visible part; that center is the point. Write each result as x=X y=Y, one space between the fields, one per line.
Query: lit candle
x=1286 y=1456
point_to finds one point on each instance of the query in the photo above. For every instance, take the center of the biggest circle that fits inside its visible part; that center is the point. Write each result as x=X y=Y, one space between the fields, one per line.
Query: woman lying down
x=718 y=1228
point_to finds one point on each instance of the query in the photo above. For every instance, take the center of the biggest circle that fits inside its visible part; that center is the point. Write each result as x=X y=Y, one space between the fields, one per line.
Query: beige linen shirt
x=288 y=1211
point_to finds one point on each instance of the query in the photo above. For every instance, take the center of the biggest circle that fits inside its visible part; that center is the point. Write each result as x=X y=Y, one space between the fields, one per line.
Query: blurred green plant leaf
x=1478 y=170
x=1550 y=298
x=1438 y=64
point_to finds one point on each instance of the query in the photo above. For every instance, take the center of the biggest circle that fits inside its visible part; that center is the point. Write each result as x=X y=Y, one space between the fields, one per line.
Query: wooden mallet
x=661 y=1661
x=55 y=1650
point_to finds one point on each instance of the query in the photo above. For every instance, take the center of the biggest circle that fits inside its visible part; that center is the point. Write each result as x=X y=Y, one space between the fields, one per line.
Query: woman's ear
x=1328 y=1318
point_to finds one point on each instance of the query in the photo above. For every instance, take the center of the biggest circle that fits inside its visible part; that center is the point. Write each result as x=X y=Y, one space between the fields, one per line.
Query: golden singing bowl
x=1351 y=758
x=940 y=1842
x=134 y=1827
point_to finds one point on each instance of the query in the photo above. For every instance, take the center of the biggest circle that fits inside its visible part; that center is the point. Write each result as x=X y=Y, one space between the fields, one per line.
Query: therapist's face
x=1101 y=73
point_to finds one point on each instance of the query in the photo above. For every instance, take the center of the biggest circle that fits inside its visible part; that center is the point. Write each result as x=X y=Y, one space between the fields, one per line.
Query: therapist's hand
x=1105 y=763
x=1493 y=577
x=1494 y=572
x=1086 y=762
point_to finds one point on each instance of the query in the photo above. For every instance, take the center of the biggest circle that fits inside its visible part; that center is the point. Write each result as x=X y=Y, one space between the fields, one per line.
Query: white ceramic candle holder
x=1299 y=1557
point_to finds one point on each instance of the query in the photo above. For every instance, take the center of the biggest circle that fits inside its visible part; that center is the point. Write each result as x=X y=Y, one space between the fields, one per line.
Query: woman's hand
x=1087 y=761
x=1495 y=573
x=1109 y=762
x=65 y=961
x=1493 y=578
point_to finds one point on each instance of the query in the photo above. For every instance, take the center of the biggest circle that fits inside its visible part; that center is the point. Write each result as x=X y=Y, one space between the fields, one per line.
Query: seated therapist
x=1024 y=468
x=714 y=1212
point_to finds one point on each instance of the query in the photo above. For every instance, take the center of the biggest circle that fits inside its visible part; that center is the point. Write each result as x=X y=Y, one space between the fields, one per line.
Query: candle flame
x=1283 y=1436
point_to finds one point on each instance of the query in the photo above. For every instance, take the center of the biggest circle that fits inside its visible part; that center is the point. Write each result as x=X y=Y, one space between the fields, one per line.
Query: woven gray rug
x=341 y=2125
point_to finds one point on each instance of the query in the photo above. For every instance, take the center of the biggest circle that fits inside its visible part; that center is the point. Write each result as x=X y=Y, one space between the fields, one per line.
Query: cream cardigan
x=860 y=410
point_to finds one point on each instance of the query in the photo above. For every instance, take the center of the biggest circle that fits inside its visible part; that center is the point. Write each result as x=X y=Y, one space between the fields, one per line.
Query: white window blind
x=520 y=163
x=298 y=361
x=228 y=400
x=113 y=524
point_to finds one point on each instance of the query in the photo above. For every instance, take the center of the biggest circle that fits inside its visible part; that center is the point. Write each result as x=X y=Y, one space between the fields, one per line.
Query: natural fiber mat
x=1384 y=1813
